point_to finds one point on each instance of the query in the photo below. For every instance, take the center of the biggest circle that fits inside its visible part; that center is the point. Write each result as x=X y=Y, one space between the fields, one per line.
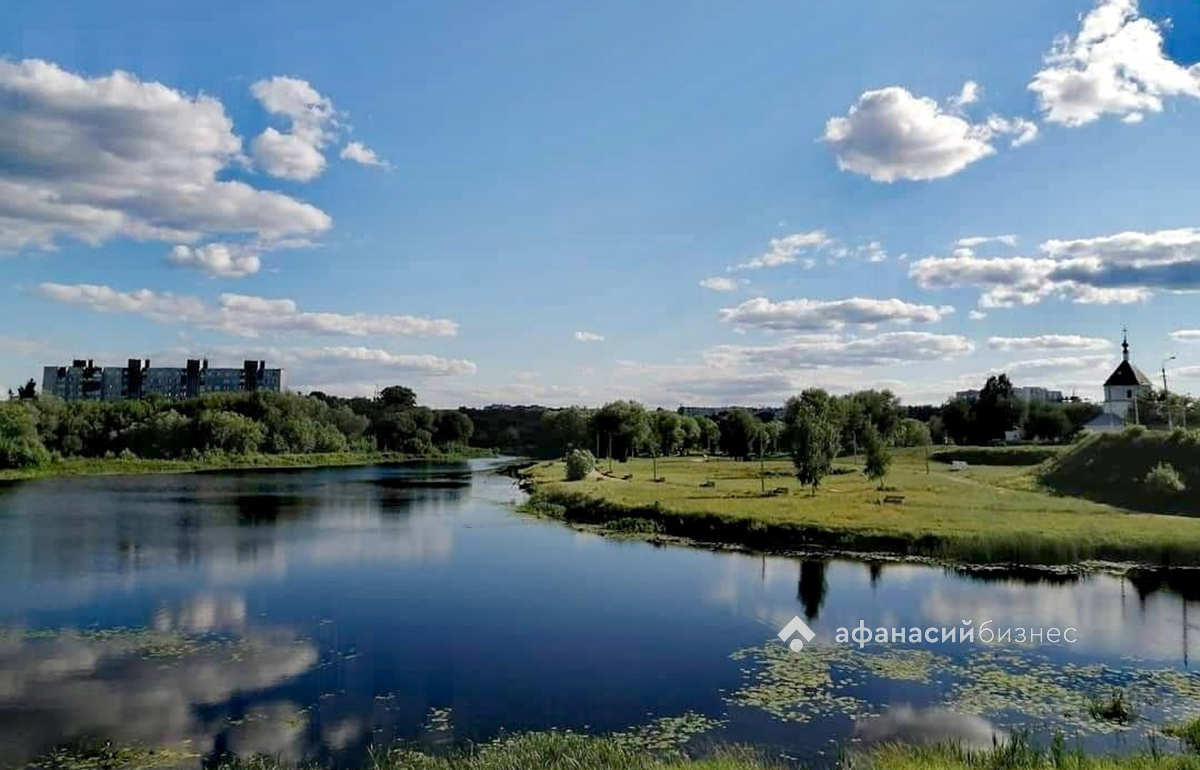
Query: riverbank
x=116 y=466
x=565 y=751
x=978 y=515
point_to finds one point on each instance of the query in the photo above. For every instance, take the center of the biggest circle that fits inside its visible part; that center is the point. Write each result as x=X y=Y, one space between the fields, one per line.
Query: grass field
x=101 y=466
x=985 y=514
x=559 y=751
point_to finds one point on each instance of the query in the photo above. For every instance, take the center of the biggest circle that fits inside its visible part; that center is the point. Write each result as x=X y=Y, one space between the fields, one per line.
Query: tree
x=668 y=432
x=739 y=433
x=567 y=428
x=691 y=432
x=878 y=408
x=878 y=458
x=229 y=432
x=997 y=411
x=20 y=446
x=913 y=433
x=775 y=429
x=580 y=463
x=398 y=397
x=625 y=423
x=710 y=434
x=452 y=428
x=1048 y=422
x=958 y=421
x=27 y=391
x=813 y=438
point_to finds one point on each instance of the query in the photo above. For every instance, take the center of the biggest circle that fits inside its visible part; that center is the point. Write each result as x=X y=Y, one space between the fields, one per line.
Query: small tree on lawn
x=579 y=464
x=878 y=457
x=815 y=440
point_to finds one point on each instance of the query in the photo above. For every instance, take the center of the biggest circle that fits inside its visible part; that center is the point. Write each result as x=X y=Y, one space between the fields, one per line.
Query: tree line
x=36 y=429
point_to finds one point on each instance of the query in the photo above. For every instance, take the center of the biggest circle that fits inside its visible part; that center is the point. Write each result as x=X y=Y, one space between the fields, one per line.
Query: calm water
x=306 y=614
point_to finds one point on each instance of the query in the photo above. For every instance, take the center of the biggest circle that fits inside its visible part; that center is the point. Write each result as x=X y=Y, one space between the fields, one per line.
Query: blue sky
x=526 y=174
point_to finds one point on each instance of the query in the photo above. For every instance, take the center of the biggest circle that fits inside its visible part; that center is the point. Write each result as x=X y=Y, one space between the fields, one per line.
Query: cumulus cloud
x=95 y=159
x=405 y=362
x=1115 y=65
x=890 y=134
x=295 y=155
x=814 y=351
x=828 y=315
x=363 y=155
x=221 y=260
x=1060 y=365
x=1123 y=268
x=1186 y=335
x=588 y=337
x=976 y=315
x=968 y=95
x=240 y=314
x=719 y=284
x=786 y=250
x=1048 y=342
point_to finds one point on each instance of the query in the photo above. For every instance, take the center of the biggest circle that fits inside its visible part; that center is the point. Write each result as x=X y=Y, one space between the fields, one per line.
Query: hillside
x=1113 y=468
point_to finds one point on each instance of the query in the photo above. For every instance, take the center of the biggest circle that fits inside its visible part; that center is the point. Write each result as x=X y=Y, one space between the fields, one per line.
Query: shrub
x=636 y=525
x=997 y=455
x=579 y=464
x=1115 y=708
x=1165 y=480
x=127 y=454
x=20 y=446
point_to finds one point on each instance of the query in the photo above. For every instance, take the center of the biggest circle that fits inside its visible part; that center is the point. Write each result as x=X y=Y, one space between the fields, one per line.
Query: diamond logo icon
x=798 y=629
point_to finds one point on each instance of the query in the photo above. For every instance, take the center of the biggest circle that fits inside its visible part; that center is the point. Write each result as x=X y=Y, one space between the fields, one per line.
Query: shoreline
x=1051 y=532
x=115 y=466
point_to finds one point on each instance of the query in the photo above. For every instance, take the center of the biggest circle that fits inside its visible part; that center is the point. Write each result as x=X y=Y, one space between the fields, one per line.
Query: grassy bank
x=101 y=466
x=983 y=515
x=559 y=751
x=1112 y=468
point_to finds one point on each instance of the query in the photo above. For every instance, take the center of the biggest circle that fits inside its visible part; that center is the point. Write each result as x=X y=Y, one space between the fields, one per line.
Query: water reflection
x=811 y=587
x=152 y=686
x=926 y=727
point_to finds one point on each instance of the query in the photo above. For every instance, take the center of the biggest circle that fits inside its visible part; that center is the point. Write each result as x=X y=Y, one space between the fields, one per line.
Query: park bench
x=958 y=465
x=894 y=499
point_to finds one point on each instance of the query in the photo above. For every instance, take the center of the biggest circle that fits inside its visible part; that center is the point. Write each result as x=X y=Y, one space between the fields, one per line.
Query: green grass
x=983 y=515
x=1112 y=468
x=1188 y=734
x=101 y=466
x=562 y=751
x=1017 y=754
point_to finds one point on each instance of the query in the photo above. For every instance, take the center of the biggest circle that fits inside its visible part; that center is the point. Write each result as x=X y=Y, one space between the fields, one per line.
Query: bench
x=894 y=499
x=958 y=465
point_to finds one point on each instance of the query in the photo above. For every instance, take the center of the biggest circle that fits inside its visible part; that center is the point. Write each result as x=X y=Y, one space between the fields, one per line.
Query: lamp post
x=1167 y=394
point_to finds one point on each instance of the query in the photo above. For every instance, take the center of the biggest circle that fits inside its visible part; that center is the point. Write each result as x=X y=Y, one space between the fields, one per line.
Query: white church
x=1121 y=391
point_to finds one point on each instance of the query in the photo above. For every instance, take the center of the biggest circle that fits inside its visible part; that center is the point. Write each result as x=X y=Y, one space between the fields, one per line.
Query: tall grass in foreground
x=1017 y=754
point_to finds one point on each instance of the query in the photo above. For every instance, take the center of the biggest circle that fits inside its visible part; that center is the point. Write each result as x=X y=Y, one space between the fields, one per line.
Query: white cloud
x=719 y=284
x=890 y=134
x=243 y=315
x=1060 y=365
x=404 y=362
x=1123 y=268
x=786 y=250
x=222 y=260
x=287 y=156
x=588 y=337
x=360 y=153
x=1048 y=342
x=95 y=159
x=1115 y=65
x=818 y=350
x=822 y=315
x=976 y=315
x=973 y=241
x=295 y=155
x=1186 y=335
x=968 y=95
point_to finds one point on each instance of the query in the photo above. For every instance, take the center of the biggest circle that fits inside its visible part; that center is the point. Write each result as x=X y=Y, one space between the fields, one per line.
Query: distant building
x=1029 y=393
x=83 y=380
x=765 y=413
x=1121 y=391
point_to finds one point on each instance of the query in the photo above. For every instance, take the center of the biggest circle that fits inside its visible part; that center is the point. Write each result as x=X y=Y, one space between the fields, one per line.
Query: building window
x=1129 y=394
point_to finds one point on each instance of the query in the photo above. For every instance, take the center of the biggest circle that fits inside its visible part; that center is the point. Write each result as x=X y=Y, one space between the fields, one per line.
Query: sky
x=558 y=203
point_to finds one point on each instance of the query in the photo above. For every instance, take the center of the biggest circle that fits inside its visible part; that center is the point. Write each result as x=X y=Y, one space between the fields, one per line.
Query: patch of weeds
x=1115 y=707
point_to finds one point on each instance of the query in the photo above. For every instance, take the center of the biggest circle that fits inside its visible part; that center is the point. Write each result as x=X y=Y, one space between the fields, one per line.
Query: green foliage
x=1047 y=422
x=1016 y=455
x=668 y=432
x=1115 y=707
x=580 y=463
x=626 y=423
x=20 y=445
x=878 y=458
x=1188 y=733
x=913 y=433
x=740 y=433
x=633 y=524
x=27 y=391
x=229 y=432
x=567 y=428
x=452 y=428
x=1164 y=480
x=813 y=436
x=710 y=434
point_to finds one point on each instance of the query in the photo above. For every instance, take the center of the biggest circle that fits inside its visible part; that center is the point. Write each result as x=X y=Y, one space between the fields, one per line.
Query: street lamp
x=1167 y=394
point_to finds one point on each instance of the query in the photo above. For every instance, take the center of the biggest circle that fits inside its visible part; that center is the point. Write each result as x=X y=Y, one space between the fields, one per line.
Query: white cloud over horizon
x=588 y=337
x=785 y=250
x=829 y=315
x=1048 y=342
x=240 y=314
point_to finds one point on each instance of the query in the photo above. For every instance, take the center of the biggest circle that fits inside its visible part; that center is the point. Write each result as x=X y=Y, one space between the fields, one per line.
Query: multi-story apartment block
x=83 y=380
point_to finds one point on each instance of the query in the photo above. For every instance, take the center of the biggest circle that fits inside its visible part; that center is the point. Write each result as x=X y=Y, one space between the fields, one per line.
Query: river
x=307 y=614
